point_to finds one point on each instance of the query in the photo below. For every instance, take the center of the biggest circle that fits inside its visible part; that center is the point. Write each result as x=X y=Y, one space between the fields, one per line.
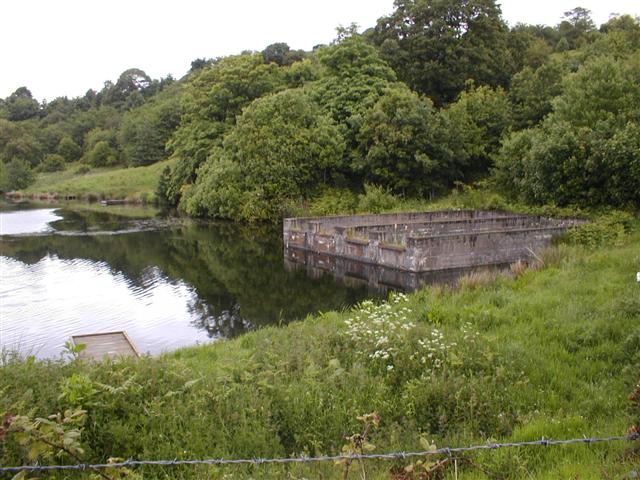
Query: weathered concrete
x=424 y=242
x=376 y=278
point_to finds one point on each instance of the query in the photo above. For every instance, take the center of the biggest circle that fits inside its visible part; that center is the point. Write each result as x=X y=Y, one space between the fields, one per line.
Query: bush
x=15 y=175
x=82 y=169
x=396 y=143
x=610 y=229
x=376 y=199
x=334 y=201
x=478 y=198
x=52 y=163
x=102 y=155
x=68 y=149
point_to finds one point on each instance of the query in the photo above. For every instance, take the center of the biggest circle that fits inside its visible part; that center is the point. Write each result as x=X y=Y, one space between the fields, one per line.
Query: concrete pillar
x=340 y=238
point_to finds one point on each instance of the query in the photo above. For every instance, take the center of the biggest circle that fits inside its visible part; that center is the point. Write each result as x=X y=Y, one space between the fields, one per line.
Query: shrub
x=334 y=201
x=82 y=169
x=68 y=149
x=609 y=229
x=585 y=152
x=15 y=175
x=102 y=155
x=52 y=163
x=376 y=199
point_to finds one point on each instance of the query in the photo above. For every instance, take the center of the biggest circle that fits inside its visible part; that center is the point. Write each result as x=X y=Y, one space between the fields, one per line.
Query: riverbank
x=135 y=185
x=552 y=352
x=138 y=185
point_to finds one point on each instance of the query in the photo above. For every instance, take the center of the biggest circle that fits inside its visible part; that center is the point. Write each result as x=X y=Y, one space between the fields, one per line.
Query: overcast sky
x=65 y=47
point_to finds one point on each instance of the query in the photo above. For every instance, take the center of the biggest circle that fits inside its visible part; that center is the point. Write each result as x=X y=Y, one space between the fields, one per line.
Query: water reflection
x=378 y=279
x=167 y=283
x=46 y=302
x=27 y=221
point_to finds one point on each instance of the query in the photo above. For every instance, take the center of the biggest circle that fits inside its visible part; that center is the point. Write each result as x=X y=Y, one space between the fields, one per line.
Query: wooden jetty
x=110 y=344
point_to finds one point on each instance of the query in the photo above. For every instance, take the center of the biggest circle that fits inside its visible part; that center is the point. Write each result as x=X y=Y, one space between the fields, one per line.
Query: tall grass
x=546 y=353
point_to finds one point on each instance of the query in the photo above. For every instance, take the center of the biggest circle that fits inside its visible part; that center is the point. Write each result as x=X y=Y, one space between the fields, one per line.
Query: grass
x=135 y=184
x=550 y=352
x=335 y=201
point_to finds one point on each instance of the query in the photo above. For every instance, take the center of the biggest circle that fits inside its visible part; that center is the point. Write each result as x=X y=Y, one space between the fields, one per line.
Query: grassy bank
x=375 y=199
x=553 y=352
x=135 y=184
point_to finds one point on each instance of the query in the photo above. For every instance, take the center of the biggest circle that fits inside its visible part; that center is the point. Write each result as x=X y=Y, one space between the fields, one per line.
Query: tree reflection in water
x=225 y=323
x=237 y=274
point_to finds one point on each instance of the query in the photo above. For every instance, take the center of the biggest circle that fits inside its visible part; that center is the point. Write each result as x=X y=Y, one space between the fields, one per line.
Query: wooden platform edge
x=122 y=332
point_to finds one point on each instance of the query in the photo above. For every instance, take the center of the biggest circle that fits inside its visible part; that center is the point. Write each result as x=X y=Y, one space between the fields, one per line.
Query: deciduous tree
x=435 y=46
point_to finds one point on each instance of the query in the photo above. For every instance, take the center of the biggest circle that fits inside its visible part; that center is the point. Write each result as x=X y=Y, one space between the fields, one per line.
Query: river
x=168 y=282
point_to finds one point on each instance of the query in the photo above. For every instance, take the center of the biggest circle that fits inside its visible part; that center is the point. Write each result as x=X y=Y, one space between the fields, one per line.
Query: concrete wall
x=398 y=233
x=426 y=241
x=327 y=223
x=376 y=278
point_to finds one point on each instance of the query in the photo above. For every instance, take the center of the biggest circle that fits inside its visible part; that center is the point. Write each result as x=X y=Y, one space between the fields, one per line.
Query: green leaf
x=368 y=447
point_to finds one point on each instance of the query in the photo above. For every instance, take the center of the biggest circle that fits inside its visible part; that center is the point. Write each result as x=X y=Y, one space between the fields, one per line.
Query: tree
x=24 y=146
x=530 y=45
x=301 y=72
x=276 y=53
x=577 y=28
x=533 y=90
x=8 y=131
x=586 y=151
x=99 y=135
x=282 y=146
x=69 y=149
x=131 y=83
x=282 y=55
x=21 y=105
x=145 y=130
x=199 y=64
x=141 y=141
x=15 y=175
x=435 y=46
x=395 y=143
x=52 y=163
x=58 y=110
x=102 y=155
x=213 y=98
x=354 y=78
x=476 y=124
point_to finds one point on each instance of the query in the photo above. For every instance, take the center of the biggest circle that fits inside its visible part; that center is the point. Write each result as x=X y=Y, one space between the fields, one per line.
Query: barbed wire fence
x=449 y=451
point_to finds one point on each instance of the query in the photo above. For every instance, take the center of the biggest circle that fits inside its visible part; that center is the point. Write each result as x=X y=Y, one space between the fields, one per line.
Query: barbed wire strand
x=326 y=458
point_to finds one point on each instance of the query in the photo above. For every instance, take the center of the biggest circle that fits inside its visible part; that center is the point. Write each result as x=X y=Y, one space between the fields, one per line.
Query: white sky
x=65 y=47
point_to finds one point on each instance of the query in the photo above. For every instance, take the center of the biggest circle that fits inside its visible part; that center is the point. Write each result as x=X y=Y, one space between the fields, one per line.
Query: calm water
x=167 y=282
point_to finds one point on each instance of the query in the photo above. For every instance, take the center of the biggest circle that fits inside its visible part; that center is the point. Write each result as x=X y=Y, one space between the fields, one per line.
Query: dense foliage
x=495 y=360
x=437 y=92
x=587 y=150
x=436 y=46
x=281 y=146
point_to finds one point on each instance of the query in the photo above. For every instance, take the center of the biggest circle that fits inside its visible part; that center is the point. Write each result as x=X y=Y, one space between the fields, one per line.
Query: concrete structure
x=378 y=279
x=417 y=243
